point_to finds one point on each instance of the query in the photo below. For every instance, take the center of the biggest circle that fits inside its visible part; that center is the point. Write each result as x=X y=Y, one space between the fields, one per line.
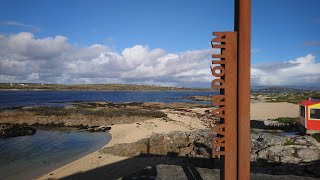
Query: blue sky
x=282 y=31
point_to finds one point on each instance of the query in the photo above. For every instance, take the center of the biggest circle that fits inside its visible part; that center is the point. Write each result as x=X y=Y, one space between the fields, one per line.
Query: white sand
x=128 y=133
x=264 y=111
x=182 y=121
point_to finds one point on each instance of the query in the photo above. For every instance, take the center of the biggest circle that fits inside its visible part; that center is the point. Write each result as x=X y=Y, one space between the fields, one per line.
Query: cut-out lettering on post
x=224 y=71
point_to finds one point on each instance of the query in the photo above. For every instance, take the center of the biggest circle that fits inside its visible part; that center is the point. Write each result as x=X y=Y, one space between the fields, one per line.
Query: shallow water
x=27 y=157
x=58 y=98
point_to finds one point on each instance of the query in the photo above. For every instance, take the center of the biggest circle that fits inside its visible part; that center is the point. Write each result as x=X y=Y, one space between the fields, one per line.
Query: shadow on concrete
x=146 y=166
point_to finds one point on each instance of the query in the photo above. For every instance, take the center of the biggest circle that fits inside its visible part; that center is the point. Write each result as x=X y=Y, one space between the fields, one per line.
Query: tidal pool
x=28 y=157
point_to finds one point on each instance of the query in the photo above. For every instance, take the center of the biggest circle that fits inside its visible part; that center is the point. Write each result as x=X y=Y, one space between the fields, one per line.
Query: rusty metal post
x=225 y=69
x=243 y=27
x=230 y=92
x=232 y=71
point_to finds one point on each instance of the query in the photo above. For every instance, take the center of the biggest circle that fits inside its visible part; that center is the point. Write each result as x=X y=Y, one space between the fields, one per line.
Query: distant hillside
x=279 y=89
x=92 y=87
x=283 y=88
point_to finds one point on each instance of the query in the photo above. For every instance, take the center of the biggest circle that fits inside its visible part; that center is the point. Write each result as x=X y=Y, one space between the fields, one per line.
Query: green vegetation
x=252 y=131
x=316 y=136
x=57 y=111
x=286 y=120
x=291 y=97
x=290 y=142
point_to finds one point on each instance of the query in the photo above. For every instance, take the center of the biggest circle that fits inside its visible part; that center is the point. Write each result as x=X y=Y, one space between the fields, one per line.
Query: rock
x=198 y=98
x=308 y=154
x=13 y=130
x=98 y=128
x=191 y=144
x=283 y=151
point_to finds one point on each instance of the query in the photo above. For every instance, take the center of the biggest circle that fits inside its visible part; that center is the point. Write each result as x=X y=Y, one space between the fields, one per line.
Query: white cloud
x=300 y=71
x=24 y=58
x=19 y=24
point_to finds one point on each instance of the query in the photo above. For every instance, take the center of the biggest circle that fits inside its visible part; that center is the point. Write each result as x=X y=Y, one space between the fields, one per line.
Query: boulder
x=13 y=130
x=191 y=144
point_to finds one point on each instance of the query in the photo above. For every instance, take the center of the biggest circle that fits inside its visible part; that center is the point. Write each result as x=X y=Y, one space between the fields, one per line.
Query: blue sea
x=57 y=98
x=28 y=157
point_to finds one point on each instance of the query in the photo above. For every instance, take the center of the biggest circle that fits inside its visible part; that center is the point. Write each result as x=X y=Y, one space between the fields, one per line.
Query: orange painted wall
x=313 y=124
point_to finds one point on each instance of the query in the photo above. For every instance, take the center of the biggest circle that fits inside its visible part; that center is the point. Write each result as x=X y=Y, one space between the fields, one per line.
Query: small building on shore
x=310 y=114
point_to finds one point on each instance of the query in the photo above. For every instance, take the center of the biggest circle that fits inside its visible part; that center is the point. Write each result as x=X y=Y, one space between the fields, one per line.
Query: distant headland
x=94 y=87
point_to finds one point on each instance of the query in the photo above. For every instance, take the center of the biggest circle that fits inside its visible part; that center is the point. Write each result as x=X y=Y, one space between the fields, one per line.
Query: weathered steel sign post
x=231 y=69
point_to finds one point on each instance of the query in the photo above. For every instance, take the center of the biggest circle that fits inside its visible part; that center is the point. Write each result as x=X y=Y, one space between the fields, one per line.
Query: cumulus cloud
x=24 y=58
x=300 y=71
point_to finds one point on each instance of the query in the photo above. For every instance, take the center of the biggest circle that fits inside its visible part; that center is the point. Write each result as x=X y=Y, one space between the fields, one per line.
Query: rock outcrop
x=13 y=130
x=279 y=152
x=190 y=144
x=273 y=151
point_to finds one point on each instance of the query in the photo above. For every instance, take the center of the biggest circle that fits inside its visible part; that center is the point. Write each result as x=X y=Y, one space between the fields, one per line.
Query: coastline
x=130 y=133
x=123 y=133
x=94 y=87
x=28 y=157
x=177 y=127
x=108 y=90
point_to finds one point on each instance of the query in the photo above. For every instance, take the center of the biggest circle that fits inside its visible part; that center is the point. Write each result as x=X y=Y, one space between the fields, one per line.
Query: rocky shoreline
x=87 y=116
x=173 y=130
x=13 y=130
x=274 y=150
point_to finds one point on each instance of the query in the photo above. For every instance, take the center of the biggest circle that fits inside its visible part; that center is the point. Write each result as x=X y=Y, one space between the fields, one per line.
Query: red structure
x=310 y=114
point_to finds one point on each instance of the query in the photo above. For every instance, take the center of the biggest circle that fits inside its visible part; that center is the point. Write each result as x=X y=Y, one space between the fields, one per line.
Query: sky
x=153 y=42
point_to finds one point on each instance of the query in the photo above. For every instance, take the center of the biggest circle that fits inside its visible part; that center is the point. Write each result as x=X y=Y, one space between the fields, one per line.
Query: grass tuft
x=286 y=120
x=316 y=136
x=290 y=142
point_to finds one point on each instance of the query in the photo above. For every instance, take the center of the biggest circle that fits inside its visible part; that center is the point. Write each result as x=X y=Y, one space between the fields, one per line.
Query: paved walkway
x=175 y=172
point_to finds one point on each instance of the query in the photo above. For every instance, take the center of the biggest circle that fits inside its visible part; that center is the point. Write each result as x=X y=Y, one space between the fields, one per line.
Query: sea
x=60 y=98
x=28 y=157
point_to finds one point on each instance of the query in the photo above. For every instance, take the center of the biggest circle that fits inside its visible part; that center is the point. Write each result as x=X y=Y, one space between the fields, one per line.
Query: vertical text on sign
x=225 y=73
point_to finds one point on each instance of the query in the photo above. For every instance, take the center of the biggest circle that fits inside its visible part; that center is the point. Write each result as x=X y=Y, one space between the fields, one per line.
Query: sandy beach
x=271 y=110
x=128 y=133
x=190 y=120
